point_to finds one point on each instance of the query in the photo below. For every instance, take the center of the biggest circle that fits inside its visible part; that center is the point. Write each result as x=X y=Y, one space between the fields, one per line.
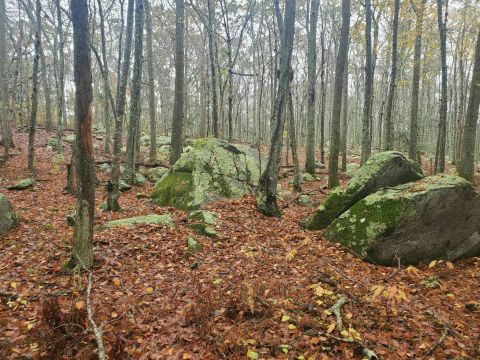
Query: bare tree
x=151 y=84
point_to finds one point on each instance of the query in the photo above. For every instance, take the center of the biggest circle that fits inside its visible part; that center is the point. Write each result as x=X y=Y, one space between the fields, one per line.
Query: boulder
x=8 y=217
x=123 y=186
x=304 y=199
x=384 y=169
x=202 y=222
x=434 y=218
x=156 y=173
x=308 y=177
x=22 y=184
x=208 y=170
x=165 y=219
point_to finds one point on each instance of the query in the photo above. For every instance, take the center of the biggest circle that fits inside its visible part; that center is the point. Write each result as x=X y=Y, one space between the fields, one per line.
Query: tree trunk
x=179 y=101
x=61 y=109
x=467 y=160
x=46 y=91
x=297 y=183
x=342 y=57
x=368 y=99
x=267 y=189
x=134 y=117
x=442 y=125
x=82 y=250
x=151 y=84
x=33 y=111
x=4 y=81
x=389 y=126
x=114 y=194
x=312 y=75
x=323 y=87
x=344 y=125
x=412 y=149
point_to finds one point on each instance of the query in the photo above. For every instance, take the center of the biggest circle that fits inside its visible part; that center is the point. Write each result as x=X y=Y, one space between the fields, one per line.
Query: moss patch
x=165 y=219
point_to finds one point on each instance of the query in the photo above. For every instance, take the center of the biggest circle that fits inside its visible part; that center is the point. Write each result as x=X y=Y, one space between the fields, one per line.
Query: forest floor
x=262 y=290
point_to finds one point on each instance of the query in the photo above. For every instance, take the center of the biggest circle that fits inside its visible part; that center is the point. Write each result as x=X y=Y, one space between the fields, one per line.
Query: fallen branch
x=96 y=330
x=336 y=309
x=369 y=354
x=443 y=336
x=446 y=330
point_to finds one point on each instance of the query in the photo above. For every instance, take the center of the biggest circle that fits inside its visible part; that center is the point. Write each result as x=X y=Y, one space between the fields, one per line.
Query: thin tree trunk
x=151 y=84
x=267 y=190
x=312 y=75
x=297 y=183
x=82 y=249
x=389 y=125
x=467 y=160
x=134 y=117
x=342 y=58
x=113 y=192
x=344 y=126
x=4 y=81
x=179 y=100
x=46 y=91
x=61 y=109
x=412 y=149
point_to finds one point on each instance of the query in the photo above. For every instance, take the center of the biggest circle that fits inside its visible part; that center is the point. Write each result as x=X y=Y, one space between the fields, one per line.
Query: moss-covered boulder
x=202 y=222
x=165 y=219
x=22 y=184
x=8 y=217
x=156 y=173
x=437 y=217
x=208 y=170
x=382 y=170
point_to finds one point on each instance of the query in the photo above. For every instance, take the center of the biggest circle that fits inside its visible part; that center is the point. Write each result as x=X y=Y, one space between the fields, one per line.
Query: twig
x=336 y=309
x=445 y=332
x=308 y=307
x=369 y=354
x=96 y=330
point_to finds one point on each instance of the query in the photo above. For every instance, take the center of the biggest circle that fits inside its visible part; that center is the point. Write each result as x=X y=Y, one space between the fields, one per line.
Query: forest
x=239 y=179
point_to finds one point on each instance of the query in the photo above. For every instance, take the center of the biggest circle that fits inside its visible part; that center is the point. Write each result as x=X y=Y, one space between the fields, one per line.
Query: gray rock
x=308 y=177
x=8 y=217
x=165 y=219
x=155 y=174
x=385 y=169
x=22 y=184
x=208 y=170
x=437 y=217
x=303 y=199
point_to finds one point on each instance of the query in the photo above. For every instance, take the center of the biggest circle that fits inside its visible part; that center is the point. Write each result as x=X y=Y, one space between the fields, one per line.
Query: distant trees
x=466 y=168
x=178 y=105
x=4 y=82
x=82 y=249
x=337 y=96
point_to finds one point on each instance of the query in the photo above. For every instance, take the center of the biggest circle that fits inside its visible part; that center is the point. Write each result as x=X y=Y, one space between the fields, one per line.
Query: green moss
x=165 y=219
x=193 y=245
x=335 y=204
x=22 y=184
x=207 y=217
x=175 y=189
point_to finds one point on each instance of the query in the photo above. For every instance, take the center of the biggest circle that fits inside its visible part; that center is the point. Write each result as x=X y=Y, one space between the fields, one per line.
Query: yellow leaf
x=13 y=285
x=29 y=326
x=432 y=264
x=412 y=269
x=114 y=314
x=377 y=291
x=149 y=290
x=252 y=355
x=450 y=265
x=116 y=281
x=306 y=241
x=291 y=254
x=79 y=305
x=291 y=327
x=331 y=327
x=187 y=356
x=285 y=318
x=402 y=294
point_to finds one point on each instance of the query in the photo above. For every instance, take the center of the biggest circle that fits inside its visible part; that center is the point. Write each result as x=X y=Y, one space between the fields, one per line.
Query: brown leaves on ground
x=260 y=291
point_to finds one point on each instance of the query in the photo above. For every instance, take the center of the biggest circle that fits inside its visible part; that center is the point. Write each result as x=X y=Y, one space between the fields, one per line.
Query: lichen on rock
x=8 y=217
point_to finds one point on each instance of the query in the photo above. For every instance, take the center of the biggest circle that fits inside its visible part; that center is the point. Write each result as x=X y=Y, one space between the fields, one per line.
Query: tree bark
x=4 y=81
x=267 y=189
x=82 y=250
x=412 y=148
x=389 y=126
x=134 y=117
x=151 y=84
x=337 y=96
x=61 y=107
x=179 y=101
x=312 y=75
x=467 y=160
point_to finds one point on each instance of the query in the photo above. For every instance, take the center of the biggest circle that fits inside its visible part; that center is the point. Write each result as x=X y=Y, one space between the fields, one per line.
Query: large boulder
x=384 y=169
x=208 y=170
x=437 y=217
x=8 y=217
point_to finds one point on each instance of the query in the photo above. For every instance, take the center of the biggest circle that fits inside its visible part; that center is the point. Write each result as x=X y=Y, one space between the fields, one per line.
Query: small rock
x=165 y=219
x=303 y=199
x=22 y=184
x=194 y=245
x=124 y=186
x=8 y=218
x=308 y=177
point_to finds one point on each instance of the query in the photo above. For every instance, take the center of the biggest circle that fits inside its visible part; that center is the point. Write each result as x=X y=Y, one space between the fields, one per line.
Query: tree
x=33 y=111
x=113 y=185
x=337 y=96
x=61 y=108
x=267 y=189
x=467 y=159
x=389 y=126
x=312 y=75
x=4 y=81
x=151 y=84
x=134 y=118
x=412 y=148
x=368 y=99
x=178 y=105
x=442 y=124
x=82 y=250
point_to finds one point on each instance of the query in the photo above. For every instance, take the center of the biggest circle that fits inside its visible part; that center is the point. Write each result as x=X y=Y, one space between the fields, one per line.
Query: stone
x=70 y=219
x=140 y=180
x=22 y=184
x=437 y=217
x=52 y=142
x=8 y=217
x=352 y=169
x=165 y=219
x=69 y=138
x=384 y=169
x=303 y=199
x=308 y=177
x=156 y=173
x=208 y=170
x=202 y=222
x=124 y=186
x=193 y=245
